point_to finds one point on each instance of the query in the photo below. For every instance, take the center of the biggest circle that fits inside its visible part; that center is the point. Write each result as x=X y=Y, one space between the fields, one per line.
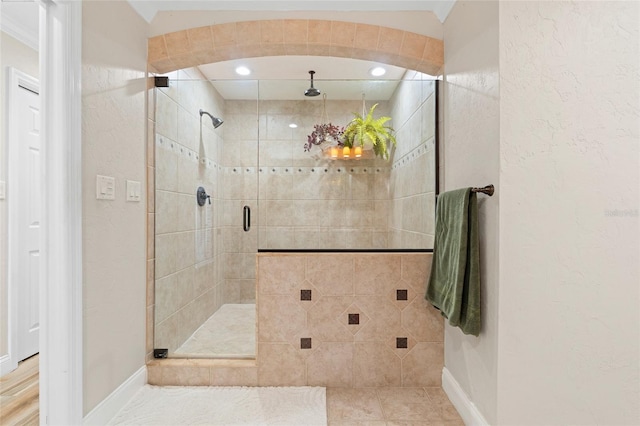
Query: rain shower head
x=311 y=91
x=217 y=122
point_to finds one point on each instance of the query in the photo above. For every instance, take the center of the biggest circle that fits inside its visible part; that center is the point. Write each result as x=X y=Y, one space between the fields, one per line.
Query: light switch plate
x=133 y=190
x=3 y=190
x=105 y=188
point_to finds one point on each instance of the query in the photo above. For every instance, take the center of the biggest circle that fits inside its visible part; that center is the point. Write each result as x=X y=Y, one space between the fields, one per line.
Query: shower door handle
x=246 y=218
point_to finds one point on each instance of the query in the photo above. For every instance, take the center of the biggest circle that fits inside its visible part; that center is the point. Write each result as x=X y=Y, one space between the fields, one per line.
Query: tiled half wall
x=332 y=319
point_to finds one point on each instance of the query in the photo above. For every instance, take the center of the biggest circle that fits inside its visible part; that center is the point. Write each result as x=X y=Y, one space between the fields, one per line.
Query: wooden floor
x=19 y=391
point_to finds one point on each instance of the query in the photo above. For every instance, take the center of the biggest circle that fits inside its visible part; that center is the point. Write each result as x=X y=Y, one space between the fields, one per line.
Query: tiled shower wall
x=347 y=320
x=188 y=272
x=339 y=320
x=308 y=201
x=413 y=172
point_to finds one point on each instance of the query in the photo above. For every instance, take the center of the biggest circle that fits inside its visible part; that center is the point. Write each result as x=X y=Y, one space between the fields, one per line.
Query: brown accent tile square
x=401 y=343
x=401 y=294
x=305 y=294
x=305 y=343
x=354 y=318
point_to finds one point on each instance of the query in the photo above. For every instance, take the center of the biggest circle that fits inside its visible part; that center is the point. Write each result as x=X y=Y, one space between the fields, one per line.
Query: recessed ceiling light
x=242 y=70
x=378 y=71
x=293 y=125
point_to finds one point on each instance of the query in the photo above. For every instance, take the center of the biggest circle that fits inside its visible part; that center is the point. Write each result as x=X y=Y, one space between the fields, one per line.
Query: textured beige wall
x=471 y=158
x=113 y=134
x=569 y=227
x=188 y=244
x=18 y=55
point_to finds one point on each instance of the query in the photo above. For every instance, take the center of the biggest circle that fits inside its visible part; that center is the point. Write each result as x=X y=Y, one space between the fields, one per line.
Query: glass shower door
x=205 y=260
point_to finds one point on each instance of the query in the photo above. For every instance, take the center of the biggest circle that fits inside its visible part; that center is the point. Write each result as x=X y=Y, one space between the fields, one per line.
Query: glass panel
x=318 y=199
x=205 y=261
x=265 y=191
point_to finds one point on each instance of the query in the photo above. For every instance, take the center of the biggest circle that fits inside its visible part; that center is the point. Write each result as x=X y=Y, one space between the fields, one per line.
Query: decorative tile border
x=168 y=144
x=414 y=154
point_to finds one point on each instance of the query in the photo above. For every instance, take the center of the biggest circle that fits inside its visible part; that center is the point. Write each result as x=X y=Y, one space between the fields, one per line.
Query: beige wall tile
x=390 y=40
x=367 y=37
x=151 y=190
x=157 y=49
x=151 y=270
x=375 y=365
x=376 y=274
x=166 y=177
x=415 y=270
x=224 y=35
x=319 y=32
x=154 y=374
x=166 y=216
x=295 y=31
x=165 y=250
x=423 y=321
x=177 y=43
x=280 y=318
x=272 y=32
x=384 y=319
x=343 y=33
x=151 y=225
x=149 y=329
x=200 y=39
x=234 y=376
x=248 y=33
x=332 y=275
x=413 y=45
x=186 y=376
x=280 y=274
x=331 y=365
x=422 y=366
x=326 y=319
x=279 y=364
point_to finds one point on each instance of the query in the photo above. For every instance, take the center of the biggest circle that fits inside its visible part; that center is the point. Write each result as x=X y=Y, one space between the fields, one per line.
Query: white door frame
x=61 y=361
x=15 y=78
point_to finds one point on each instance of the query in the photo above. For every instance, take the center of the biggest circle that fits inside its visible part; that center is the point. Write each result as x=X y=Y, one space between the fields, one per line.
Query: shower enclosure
x=261 y=191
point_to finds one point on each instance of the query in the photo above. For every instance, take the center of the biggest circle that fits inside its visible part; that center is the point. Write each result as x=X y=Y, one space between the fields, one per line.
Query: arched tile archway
x=235 y=40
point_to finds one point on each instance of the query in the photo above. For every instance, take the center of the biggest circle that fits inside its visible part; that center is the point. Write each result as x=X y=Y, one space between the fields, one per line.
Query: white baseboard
x=111 y=405
x=5 y=365
x=466 y=408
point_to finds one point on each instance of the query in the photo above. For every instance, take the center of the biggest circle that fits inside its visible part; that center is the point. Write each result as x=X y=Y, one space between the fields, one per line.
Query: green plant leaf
x=361 y=130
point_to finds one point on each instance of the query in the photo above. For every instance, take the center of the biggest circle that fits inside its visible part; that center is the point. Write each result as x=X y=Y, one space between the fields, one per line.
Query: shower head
x=217 y=122
x=311 y=91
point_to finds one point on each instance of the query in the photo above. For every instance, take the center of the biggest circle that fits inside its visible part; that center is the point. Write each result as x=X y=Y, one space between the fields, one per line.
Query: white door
x=25 y=192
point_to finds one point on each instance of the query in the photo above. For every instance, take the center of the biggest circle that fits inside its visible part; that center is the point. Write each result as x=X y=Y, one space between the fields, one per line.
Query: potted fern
x=370 y=131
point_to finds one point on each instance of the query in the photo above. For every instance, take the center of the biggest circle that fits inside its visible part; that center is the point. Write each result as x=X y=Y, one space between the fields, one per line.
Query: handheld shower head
x=217 y=122
x=311 y=91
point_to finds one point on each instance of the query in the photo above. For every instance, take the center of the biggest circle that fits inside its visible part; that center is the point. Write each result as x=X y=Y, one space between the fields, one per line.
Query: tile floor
x=229 y=333
x=390 y=407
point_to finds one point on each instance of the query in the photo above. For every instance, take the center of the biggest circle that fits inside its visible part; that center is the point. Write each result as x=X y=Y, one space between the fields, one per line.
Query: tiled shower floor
x=229 y=333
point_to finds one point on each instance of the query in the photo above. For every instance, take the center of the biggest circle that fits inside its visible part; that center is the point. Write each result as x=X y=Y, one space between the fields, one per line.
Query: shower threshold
x=229 y=333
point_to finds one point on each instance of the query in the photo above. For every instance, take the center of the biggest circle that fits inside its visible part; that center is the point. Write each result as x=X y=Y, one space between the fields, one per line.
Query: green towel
x=454 y=284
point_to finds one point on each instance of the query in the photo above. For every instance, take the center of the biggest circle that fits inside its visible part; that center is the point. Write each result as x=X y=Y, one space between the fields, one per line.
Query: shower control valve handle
x=202 y=196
